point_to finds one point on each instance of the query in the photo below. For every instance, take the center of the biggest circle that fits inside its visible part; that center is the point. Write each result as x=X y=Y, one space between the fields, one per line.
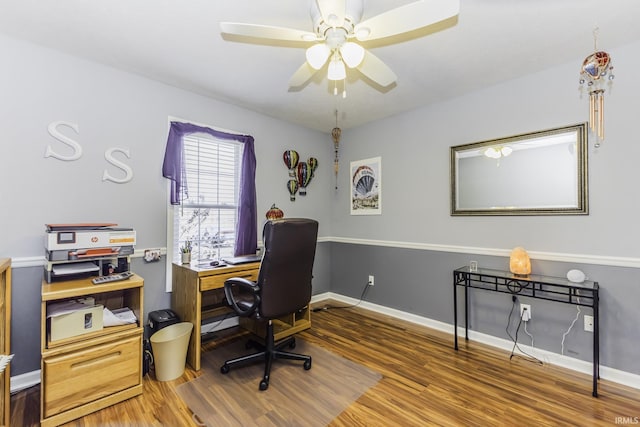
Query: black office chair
x=283 y=287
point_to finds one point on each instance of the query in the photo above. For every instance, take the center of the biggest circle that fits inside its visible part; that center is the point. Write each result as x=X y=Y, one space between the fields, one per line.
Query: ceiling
x=179 y=42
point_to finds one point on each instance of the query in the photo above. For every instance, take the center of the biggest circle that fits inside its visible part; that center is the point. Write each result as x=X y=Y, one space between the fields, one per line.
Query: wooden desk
x=191 y=304
x=197 y=295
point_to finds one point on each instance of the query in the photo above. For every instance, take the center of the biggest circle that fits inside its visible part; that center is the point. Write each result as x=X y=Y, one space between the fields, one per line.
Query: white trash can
x=169 y=346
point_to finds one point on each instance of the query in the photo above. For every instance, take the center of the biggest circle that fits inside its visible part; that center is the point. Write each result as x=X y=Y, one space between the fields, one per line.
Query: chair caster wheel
x=307 y=365
x=224 y=369
x=264 y=385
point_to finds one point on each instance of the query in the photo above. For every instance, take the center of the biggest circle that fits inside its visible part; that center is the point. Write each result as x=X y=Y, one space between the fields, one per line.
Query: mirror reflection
x=539 y=173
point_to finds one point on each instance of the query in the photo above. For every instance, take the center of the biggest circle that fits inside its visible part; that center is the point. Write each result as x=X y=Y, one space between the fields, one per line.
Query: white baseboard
x=610 y=374
x=24 y=381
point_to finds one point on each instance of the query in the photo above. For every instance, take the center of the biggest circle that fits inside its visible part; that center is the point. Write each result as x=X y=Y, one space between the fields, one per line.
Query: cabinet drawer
x=217 y=281
x=74 y=379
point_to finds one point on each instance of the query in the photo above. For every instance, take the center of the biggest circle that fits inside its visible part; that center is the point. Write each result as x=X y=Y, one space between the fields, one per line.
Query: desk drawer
x=80 y=377
x=217 y=281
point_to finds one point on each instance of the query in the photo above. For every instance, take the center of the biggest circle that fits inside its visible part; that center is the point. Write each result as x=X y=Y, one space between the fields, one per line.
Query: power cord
x=328 y=307
x=570 y=327
x=528 y=358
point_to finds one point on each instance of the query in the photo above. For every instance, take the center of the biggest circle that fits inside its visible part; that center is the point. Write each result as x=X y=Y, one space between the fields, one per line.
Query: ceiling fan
x=338 y=33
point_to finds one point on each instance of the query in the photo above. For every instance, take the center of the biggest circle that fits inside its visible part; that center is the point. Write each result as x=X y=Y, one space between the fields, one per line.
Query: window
x=208 y=216
x=212 y=192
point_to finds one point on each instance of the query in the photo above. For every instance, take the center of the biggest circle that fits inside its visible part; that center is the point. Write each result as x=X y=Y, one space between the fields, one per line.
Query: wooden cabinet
x=5 y=339
x=88 y=372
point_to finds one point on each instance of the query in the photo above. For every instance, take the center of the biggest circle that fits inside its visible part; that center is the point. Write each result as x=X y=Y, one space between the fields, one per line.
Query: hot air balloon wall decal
x=366 y=189
x=291 y=158
x=303 y=174
x=292 y=186
x=300 y=173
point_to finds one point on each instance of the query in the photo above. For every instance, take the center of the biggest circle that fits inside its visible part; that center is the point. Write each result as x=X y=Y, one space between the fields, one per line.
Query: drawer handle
x=96 y=360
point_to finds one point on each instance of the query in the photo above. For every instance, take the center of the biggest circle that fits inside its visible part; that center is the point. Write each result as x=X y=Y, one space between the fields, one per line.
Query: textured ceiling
x=179 y=42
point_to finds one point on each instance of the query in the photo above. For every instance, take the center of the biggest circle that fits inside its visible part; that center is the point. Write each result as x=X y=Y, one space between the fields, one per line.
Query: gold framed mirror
x=538 y=173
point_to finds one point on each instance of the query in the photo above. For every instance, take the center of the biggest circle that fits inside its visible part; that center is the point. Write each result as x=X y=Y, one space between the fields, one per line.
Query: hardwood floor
x=425 y=382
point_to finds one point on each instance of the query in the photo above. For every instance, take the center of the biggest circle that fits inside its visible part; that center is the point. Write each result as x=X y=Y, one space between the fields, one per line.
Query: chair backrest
x=287 y=266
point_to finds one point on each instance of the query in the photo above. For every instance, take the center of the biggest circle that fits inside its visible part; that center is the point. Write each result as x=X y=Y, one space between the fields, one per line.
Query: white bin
x=170 y=350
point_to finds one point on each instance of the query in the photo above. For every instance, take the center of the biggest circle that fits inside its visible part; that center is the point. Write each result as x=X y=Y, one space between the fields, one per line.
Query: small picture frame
x=366 y=186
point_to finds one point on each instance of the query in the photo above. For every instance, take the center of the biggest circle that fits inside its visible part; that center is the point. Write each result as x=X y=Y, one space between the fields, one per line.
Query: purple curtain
x=173 y=169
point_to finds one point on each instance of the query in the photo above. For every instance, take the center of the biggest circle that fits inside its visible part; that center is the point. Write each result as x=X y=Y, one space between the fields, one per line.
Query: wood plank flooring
x=425 y=382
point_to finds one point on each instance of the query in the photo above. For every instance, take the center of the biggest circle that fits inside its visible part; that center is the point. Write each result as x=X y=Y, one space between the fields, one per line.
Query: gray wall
x=415 y=211
x=420 y=282
x=116 y=109
x=415 y=166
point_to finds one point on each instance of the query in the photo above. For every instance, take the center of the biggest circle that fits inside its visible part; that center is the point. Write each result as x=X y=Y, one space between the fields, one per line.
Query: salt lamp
x=519 y=262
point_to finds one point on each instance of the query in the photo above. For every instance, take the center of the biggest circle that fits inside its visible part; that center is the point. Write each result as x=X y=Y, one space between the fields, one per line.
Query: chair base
x=270 y=352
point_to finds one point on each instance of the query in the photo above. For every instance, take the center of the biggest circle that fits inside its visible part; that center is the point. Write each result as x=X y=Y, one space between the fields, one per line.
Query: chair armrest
x=245 y=307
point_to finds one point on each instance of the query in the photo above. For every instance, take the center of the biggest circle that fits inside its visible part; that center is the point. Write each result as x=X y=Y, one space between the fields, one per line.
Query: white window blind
x=208 y=217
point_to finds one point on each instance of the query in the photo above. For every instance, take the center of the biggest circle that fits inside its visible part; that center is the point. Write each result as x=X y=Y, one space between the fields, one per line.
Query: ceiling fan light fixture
x=317 y=55
x=363 y=33
x=334 y=20
x=337 y=71
x=352 y=54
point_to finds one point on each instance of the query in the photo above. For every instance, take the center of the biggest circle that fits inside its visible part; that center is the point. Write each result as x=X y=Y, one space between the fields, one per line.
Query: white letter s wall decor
x=54 y=132
x=117 y=163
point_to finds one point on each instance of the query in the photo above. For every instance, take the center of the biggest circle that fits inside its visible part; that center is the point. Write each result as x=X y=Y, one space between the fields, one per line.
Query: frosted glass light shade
x=317 y=55
x=352 y=54
x=492 y=153
x=337 y=70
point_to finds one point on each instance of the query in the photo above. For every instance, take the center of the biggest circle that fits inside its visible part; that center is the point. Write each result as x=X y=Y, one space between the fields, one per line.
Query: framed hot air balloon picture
x=366 y=189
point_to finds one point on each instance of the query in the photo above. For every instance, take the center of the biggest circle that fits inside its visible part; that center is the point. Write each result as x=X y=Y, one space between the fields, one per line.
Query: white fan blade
x=267 y=32
x=332 y=11
x=376 y=70
x=406 y=18
x=302 y=76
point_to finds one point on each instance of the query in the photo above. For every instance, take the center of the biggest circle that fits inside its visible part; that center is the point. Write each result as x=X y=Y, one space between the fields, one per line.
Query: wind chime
x=335 y=135
x=595 y=68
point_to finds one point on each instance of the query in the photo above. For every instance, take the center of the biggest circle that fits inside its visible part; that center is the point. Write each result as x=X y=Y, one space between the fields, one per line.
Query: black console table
x=533 y=286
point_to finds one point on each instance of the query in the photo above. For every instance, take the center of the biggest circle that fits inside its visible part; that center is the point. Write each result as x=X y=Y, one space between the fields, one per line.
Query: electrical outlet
x=588 y=323
x=371 y=280
x=152 y=255
x=525 y=312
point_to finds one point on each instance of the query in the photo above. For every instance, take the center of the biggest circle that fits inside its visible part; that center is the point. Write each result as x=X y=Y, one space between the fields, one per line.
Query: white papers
x=75 y=268
x=65 y=307
x=120 y=316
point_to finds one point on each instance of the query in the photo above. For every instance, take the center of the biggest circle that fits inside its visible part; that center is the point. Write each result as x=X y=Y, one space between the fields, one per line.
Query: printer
x=66 y=242
x=87 y=249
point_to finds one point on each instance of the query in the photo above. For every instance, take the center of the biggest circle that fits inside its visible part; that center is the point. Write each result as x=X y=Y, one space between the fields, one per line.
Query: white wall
x=118 y=109
x=415 y=166
x=115 y=109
